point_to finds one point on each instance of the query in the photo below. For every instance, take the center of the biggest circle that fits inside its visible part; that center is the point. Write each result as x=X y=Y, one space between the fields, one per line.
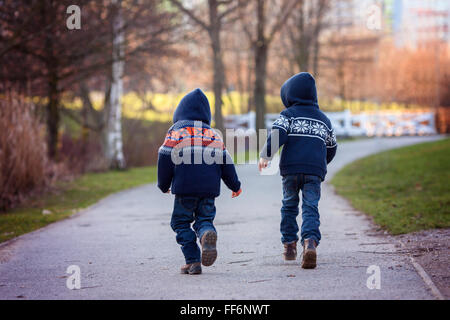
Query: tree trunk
x=341 y=79
x=250 y=72
x=53 y=90
x=261 y=50
x=218 y=67
x=260 y=84
x=239 y=79
x=303 y=45
x=218 y=84
x=53 y=117
x=114 y=147
x=323 y=7
x=316 y=54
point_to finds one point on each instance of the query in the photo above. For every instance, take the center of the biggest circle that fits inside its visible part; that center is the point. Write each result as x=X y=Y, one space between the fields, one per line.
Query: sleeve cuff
x=164 y=190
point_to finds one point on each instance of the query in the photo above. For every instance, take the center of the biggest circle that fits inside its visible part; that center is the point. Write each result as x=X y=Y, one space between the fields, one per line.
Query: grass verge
x=70 y=198
x=405 y=190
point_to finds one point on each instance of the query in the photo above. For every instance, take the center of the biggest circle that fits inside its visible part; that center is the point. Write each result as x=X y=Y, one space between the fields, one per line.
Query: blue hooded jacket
x=305 y=132
x=185 y=160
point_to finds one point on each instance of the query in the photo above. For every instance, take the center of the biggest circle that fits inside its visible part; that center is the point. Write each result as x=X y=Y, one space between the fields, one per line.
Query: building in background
x=417 y=22
x=411 y=23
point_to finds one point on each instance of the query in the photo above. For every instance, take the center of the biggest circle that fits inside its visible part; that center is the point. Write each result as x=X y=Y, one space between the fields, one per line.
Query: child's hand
x=236 y=194
x=168 y=191
x=263 y=163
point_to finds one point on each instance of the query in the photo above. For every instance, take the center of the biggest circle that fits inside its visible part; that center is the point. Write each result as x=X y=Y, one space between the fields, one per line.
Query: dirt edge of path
x=431 y=249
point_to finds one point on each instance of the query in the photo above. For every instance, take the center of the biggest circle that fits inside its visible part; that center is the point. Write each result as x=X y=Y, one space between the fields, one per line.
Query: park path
x=125 y=248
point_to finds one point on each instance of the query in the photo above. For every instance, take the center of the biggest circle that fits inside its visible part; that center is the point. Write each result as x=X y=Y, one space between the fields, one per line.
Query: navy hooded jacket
x=305 y=132
x=193 y=158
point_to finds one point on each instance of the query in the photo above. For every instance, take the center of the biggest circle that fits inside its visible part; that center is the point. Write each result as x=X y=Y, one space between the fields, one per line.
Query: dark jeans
x=186 y=210
x=310 y=187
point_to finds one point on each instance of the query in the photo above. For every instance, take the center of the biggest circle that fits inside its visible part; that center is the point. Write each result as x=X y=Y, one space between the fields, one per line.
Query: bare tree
x=113 y=135
x=304 y=31
x=261 y=38
x=218 y=12
x=14 y=52
x=43 y=55
x=350 y=54
x=49 y=60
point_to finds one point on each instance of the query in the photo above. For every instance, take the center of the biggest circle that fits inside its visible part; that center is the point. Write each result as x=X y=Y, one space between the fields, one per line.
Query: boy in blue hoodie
x=191 y=163
x=309 y=144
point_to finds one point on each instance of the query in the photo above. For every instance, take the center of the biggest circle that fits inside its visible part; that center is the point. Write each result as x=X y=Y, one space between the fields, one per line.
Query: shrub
x=141 y=141
x=24 y=166
x=82 y=154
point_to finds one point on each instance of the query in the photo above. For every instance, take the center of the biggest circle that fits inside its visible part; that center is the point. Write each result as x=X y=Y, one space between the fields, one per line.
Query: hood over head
x=299 y=90
x=194 y=106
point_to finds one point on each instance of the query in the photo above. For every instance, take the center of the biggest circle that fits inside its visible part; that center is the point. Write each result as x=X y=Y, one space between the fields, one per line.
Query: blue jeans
x=310 y=187
x=186 y=210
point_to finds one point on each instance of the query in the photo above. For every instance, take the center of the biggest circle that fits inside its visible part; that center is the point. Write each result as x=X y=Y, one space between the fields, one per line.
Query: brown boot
x=209 y=251
x=192 y=268
x=290 y=251
x=309 y=254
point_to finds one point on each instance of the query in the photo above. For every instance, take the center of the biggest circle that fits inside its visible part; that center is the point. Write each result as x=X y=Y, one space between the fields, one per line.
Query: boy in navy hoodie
x=309 y=144
x=191 y=163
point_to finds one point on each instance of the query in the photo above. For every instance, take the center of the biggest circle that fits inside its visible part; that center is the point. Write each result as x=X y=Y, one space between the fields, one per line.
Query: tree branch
x=230 y=10
x=191 y=15
x=286 y=10
x=245 y=27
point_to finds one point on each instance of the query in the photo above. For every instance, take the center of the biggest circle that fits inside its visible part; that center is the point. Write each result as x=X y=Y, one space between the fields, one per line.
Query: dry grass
x=24 y=166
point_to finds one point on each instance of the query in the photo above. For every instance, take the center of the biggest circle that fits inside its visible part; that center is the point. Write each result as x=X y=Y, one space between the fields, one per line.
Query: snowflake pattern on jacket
x=307 y=127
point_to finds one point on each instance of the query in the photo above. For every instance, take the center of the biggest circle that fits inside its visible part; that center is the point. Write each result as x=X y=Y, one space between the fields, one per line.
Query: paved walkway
x=126 y=249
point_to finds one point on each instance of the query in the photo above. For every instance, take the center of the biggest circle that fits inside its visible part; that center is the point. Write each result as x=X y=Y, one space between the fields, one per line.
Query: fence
x=383 y=123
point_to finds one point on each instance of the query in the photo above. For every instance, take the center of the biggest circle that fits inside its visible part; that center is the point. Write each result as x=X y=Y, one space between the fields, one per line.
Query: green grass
x=252 y=155
x=71 y=197
x=245 y=157
x=405 y=190
x=351 y=139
